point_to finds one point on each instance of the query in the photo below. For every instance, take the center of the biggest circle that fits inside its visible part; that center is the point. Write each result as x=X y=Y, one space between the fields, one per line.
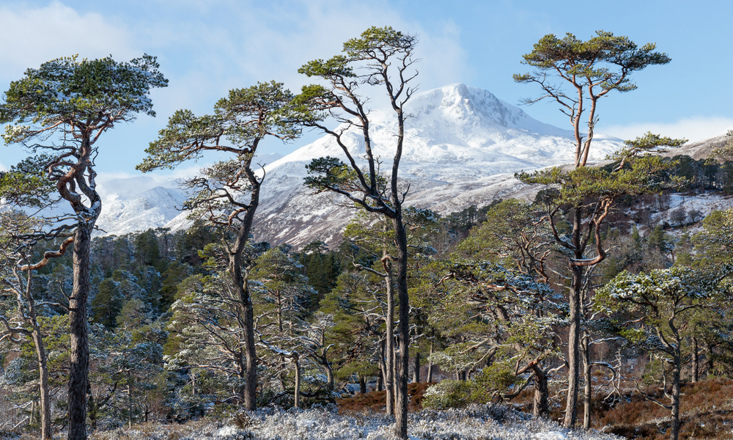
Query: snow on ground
x=478 y=422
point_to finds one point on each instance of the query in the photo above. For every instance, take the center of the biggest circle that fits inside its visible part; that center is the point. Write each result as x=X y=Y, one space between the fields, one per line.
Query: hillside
x=462 y=148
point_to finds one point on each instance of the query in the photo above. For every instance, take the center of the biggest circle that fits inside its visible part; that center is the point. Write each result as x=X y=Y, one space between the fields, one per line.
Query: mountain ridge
x=462 y=148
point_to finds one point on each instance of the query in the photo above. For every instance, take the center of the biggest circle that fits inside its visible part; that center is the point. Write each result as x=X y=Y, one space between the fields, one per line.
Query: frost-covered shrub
x=479 y=390
x=448 y=394
x=499 y=376
x=18 y=372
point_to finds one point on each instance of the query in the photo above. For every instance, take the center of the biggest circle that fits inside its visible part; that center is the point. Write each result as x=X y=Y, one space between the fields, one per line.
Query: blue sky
x=207 y=47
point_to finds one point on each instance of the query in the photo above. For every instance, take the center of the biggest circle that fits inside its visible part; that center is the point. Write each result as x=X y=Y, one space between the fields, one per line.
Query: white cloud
x=695 y=128
x=265 y=41
x=135 y=183
x=31 y=36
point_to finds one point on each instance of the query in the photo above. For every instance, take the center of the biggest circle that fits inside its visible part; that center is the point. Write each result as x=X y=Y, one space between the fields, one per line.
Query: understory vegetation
x=153 y=324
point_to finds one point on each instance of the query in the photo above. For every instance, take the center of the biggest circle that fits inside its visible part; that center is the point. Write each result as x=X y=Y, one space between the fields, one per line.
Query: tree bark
x=416 y=369
x=540 y=403
x=362 y=385
x=42 y=357
x=430 y=367
x=404 y=318
x=78 y=333
x=240 y=284
x=129 y=403
x=695 y=361
x=296 y=362
x=389 y=348
x=571 y=411
x=588 y=383
x=676 y=369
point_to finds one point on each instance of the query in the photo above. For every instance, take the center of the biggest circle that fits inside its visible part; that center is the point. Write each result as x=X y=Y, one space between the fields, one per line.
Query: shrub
x=448 y=394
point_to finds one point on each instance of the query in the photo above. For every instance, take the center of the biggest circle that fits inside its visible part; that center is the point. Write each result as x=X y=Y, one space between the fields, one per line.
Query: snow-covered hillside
x=151 y=208
x=462 y=147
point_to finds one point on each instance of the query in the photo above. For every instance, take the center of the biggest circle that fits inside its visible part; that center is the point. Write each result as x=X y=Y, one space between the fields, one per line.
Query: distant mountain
x=152 y=208
x=462 y=147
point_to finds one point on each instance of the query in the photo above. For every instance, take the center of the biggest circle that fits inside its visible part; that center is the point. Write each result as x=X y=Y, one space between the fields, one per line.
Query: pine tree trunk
x=46 y=432
x=416 y=369
x=676 y=369
x=571 y=411
x=239 y=281
x=430 y=366
x=404 y=322
x=362 y=385
x=329 y=377
x=296 y=361
x=42 y=357
x=389 y=348
x=588 y=385
x=78 y=333
x=540 y=403
x=695 y=361
x=129 y=403
x=710 y=365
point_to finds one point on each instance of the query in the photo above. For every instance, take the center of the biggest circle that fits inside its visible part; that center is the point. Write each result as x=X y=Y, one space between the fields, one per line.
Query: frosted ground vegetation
x=474 y=423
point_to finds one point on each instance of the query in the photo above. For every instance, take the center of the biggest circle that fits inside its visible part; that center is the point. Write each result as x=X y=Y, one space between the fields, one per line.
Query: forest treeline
x=165 y=343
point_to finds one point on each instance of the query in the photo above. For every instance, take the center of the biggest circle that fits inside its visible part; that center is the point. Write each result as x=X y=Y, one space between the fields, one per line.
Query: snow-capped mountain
x=152 y=208
x=462 y=147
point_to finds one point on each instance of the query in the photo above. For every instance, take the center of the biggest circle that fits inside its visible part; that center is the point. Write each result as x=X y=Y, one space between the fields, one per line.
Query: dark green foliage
x=322 y=267
x=604 y=59
x=107 y=303
x=147 y=250
x=329 y=172
x=26 y=184
x=703 y=174
x=71 y=90
x=192 y=241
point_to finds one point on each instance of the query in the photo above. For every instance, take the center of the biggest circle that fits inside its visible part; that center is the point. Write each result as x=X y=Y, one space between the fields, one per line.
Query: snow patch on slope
x=462 y=147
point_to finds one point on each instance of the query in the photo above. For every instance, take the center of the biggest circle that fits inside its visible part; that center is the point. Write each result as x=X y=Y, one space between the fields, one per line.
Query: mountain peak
x=462 y=145
x=459 y=104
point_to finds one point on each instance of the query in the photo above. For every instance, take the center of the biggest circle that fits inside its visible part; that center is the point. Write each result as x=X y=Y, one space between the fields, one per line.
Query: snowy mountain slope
x=462 y=147
x=151 y=208
x=140 y=202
